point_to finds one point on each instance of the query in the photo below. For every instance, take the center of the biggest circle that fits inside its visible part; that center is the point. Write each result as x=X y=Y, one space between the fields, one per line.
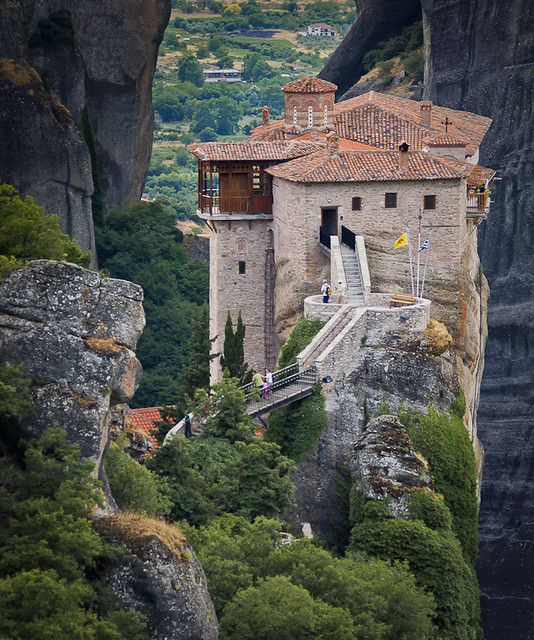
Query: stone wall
x=239 y=239
x=298 y=218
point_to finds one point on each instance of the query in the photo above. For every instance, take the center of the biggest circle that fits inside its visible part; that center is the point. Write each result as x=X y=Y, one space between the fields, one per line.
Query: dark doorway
x=329 y=221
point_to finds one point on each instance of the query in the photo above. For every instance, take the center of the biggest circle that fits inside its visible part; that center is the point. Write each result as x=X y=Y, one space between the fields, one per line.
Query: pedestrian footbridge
x=289 y=385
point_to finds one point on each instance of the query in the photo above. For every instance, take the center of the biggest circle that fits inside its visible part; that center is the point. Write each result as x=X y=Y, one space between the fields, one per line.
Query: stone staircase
x=326 y=335
x=354 y=294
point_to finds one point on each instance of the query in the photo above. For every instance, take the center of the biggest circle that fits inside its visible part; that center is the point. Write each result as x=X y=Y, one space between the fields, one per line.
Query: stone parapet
x=314 y=307
x=366 y=322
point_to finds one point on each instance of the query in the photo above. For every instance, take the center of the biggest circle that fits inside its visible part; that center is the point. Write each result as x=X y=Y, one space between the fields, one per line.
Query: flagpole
x=418 y=252
x=410 y=256
x=426 y=262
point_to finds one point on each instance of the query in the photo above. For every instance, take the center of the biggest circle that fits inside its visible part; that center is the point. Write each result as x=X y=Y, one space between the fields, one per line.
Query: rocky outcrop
x=161 y=578
x=76 y=333
x=387 y=466
x=480 y=57
x=56 y=57
x=376 y=21
x=393 y=367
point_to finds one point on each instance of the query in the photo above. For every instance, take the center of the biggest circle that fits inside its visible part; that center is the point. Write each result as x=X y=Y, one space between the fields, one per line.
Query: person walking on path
x=270 y=380
x=257 y=379
x=325 y=290
x=265 y=389
x=187 y=424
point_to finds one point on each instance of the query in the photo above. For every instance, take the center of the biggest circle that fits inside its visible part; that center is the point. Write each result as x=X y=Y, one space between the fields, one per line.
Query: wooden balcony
x=477 y=206
x=228 y=205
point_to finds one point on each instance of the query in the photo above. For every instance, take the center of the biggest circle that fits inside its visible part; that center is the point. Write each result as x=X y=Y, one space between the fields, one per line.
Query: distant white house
x=222 y=75
x=320 y=29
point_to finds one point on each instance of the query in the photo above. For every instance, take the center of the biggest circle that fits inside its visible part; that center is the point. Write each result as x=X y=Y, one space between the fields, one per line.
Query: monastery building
x=373 y=167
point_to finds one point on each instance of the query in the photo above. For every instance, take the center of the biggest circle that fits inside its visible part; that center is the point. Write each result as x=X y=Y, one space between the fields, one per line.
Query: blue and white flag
x=425 y=244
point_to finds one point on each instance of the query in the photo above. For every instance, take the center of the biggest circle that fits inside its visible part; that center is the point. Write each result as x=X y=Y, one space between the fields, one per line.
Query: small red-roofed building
x=143 y=422
x=370 y=166
x=320 y=29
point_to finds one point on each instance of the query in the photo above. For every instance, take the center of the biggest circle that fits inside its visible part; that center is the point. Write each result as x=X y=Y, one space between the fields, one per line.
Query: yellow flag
x=402 y=241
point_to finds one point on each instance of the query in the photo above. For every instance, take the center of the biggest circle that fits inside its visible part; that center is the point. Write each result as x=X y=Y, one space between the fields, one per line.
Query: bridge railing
x=277 y=375
x=283 y=387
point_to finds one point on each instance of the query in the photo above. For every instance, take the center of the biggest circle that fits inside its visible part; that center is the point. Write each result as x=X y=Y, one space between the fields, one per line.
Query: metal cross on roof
x=446 y=122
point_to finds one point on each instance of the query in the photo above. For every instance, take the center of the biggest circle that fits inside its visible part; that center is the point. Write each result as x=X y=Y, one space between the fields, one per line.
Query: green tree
x=276 y=608
x=196 y=374
x=189 y=70
x=435 y=558
x=132 y=485
x=233 y=356
x=297 y=427
x=222 y=114
x=444 y=442
x=48 y=549
x=255 y=68
x=27 y=233
x=141 y=243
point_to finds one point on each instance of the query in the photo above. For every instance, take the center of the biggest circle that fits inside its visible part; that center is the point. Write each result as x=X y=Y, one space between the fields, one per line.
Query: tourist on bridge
x=257 y=379
x=269 y=378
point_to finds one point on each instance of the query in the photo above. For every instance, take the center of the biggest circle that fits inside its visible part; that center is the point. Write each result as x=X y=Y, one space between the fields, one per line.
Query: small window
x=357 y=204
x=430 y=202
x=391 y=201
x=310 y=116
x=326 y=115
x=242 y=266
x=295 y=115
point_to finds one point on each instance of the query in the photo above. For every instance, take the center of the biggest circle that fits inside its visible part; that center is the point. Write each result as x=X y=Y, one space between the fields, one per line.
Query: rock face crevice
x=481 y=58
x=102 y=56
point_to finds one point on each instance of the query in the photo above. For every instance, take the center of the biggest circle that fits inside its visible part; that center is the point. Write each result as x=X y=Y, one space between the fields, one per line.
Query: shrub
x=27 y=233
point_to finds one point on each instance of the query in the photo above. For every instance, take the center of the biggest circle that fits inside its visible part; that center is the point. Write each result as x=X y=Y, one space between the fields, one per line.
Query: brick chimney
x=426 y=113
x=265 y=115
x=403 y=156
x=332 y=143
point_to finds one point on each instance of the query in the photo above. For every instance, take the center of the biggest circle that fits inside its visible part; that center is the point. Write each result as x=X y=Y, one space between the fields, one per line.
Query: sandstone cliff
x=480 y=57
x=392 y=366
x=57 y=56
x=76 y=332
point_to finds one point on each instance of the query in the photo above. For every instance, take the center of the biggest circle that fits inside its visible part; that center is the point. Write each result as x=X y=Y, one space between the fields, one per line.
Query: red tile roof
x=309 y=85
x=384 y=121
x=253 y=150
x=364 y=166
x=145 y=419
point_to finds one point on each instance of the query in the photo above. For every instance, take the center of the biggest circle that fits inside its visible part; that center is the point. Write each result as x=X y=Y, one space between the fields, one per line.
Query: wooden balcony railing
x=215 y=204
x=478 y=205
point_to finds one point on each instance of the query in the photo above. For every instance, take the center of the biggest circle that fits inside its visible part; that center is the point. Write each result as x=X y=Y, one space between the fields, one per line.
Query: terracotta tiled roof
x=378 y=128
x=444 y=141
x=462 y=125
x=309 y=85
x=474 y=173
x=144 y=420
x=364 y=166
x=384 y=121
x=253 y=150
